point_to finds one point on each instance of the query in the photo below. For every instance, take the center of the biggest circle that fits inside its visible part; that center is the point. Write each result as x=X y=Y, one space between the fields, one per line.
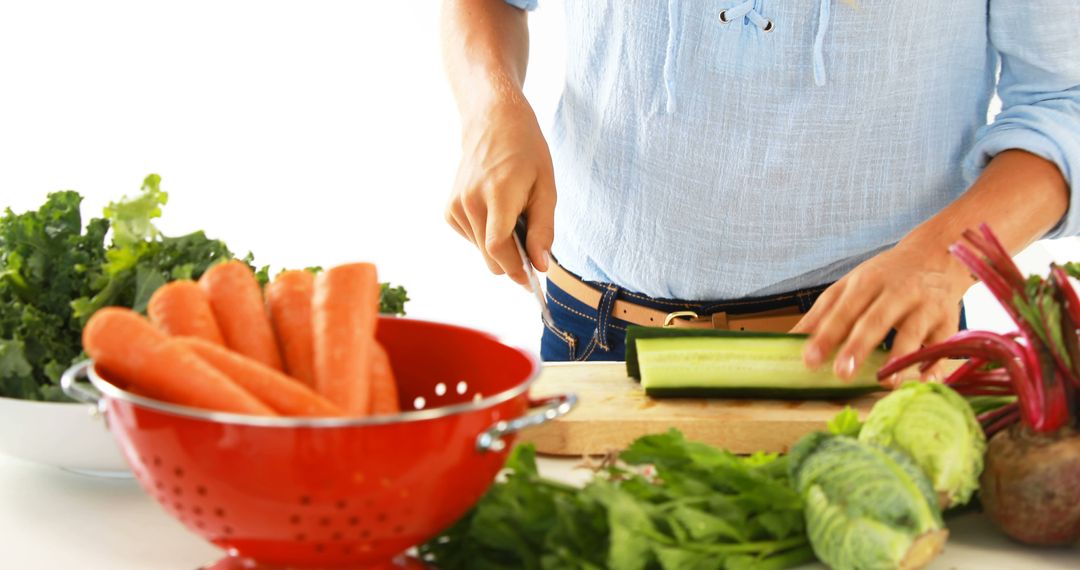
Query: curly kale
x=54 y=274
x=46 y=260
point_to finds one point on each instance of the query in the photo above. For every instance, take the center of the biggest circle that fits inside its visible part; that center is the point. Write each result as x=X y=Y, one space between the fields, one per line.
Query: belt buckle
x=669 y=320
x=691 y=319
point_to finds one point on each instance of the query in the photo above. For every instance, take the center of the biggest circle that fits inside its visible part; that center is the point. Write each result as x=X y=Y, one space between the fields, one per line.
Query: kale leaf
x=54 y=274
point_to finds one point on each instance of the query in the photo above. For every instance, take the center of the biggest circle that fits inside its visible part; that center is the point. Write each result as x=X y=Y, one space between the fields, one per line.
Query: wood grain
x=613 y=410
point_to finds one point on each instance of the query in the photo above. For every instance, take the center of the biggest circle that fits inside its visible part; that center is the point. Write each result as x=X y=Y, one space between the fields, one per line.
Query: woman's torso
x=704 y=160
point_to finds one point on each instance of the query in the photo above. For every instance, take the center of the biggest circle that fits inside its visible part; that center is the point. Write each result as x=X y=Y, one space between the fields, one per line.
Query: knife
x=534 y=283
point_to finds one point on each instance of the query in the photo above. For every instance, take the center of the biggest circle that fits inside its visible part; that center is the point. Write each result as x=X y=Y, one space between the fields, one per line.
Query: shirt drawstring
x=669 y=57
x=819 y=42
x=749 y=14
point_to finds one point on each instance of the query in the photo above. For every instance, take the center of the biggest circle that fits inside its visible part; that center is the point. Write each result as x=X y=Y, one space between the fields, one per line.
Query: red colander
x=330 y=492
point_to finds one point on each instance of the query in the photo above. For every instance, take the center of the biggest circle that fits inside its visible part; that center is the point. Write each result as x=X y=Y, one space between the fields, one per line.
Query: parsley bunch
x=695 y=507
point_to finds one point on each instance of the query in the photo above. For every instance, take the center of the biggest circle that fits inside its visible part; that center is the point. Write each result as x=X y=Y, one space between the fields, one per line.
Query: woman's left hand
x=912 y=288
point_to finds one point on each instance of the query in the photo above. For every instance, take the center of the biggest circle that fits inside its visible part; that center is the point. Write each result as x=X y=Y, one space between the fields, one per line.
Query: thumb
x=540 y=216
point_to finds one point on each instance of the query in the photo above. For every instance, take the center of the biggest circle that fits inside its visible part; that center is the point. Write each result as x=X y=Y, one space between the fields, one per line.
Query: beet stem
x=992 y=415
x=1001 y=423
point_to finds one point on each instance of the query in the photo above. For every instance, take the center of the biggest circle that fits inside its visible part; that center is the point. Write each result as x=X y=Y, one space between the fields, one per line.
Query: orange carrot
x=384 y=391
x=126 y=345
x=288 y=300
x=344 y=308
x=180 y=308
x=238 y=307
x=285 y=395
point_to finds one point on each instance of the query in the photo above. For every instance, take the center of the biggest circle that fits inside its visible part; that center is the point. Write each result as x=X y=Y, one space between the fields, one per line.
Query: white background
x=312 y=133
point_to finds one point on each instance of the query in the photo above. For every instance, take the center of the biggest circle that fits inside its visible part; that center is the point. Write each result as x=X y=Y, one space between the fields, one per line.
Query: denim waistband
x=803 y=299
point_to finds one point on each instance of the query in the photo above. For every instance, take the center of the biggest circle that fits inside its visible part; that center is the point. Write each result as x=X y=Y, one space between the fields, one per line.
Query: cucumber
x=714 y=363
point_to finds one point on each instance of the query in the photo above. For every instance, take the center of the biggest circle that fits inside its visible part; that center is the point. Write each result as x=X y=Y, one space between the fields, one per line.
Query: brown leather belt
x=776 y=320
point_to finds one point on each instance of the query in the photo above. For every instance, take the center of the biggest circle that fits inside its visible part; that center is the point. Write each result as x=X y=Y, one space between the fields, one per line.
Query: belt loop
x=807 y=297
x=603 y=311
x=805 y=301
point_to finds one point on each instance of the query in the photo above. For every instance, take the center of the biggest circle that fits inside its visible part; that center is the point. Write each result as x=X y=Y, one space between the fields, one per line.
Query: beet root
x=1030 y=487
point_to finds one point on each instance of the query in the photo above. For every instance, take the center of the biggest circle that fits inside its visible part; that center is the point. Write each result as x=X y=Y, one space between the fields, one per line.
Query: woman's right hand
x=505 y=171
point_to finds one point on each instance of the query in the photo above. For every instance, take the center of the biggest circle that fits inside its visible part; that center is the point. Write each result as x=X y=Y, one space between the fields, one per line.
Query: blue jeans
x=582 y=333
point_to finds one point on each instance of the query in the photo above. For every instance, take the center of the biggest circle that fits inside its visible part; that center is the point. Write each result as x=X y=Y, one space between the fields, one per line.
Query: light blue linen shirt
x=697 y=159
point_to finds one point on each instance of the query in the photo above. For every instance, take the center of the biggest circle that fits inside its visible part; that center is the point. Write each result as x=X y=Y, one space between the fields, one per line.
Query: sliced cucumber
x=701 y=362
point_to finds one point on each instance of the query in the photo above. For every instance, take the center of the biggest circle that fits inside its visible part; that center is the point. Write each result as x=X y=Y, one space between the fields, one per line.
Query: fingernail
x=812 y=356
x=845 y=367
x=894 y=380
x=932 y=377
x=546 y=261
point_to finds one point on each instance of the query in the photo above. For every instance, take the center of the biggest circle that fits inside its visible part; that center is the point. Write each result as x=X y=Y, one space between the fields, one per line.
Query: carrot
x=128 y=347
x=344 y=308
x=180 y=308
x=285 y=395
x=238 y=307
x=384 y=391
x=288 y=300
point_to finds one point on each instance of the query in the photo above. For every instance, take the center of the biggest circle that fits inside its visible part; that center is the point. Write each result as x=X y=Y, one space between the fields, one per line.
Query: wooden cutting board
x=613 y=410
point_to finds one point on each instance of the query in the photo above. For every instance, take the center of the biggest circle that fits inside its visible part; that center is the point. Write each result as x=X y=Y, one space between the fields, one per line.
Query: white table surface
x=55 y=520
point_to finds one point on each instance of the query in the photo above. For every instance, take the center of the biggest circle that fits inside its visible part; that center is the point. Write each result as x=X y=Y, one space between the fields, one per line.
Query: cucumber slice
x=704 y=363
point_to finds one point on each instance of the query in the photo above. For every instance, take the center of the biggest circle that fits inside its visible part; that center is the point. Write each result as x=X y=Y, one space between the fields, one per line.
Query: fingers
x=485 y=215
x=540 y=216
x=834 y=326
x=936 y=373
x=476 y=216
x=499 y=242
x=910 y=334
x=870 y=329
x=818 y=310
x=452 y=218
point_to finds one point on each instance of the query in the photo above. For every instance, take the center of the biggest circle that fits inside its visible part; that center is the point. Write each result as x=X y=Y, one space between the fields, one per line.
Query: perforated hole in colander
x=187 y=500
x=344 y=525
x=442 y=393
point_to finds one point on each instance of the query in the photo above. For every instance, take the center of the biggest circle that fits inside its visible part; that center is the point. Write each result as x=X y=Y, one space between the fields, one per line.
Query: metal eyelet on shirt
x=723 y=17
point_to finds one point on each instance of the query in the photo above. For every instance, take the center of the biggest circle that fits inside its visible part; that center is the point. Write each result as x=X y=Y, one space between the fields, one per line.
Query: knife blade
x=520 y=231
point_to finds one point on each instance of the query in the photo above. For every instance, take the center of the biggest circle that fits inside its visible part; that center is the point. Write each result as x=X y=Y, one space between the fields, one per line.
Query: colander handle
x=550 y=408
x=76 y=390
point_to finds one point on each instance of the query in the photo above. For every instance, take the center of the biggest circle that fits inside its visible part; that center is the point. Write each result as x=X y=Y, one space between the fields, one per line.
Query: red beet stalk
x=1026 y=365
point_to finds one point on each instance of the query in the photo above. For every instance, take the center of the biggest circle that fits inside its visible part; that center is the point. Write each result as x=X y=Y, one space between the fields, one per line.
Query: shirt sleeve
x=523 y=4
x=1040 y=92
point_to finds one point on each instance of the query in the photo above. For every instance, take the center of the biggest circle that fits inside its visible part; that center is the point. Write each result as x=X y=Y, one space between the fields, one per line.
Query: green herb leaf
x=845 y=423
x=679 y=504
x=392 y=299
x=133 y=218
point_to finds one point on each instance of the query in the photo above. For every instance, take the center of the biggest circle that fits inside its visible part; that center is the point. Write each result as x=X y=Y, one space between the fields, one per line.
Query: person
x=770 y=165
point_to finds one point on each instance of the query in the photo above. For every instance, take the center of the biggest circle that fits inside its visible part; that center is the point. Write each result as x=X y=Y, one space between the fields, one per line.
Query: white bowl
x=66 y=435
